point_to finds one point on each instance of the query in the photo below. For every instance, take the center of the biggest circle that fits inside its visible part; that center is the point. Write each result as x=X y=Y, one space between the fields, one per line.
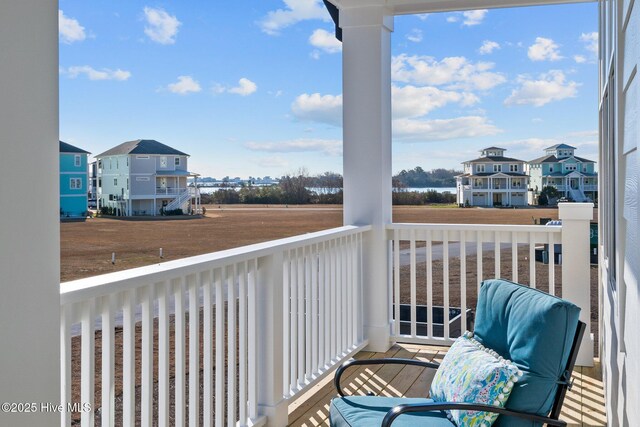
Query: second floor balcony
x=235 y=337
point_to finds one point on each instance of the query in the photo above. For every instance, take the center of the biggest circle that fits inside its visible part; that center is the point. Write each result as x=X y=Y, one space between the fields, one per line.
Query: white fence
x=424 y=256
x=239 y=330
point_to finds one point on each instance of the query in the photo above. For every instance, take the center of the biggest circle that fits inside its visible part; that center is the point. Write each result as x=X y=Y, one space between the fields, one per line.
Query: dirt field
x=86 y=247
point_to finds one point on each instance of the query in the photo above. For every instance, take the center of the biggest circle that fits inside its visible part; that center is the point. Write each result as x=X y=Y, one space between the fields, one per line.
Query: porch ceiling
x=406 y=7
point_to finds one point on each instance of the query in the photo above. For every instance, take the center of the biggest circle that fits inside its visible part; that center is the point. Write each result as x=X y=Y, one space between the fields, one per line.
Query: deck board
x=584 y=404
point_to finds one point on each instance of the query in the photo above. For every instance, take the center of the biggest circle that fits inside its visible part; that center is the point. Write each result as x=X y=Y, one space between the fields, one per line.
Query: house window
x=497 y=168
x=177 y=161
x=480 y=168
x=127 y=161
x=163 y=161
x=479 y=183
x=99 y=164
x=75 y=183
x=550 y=168
x=513 y=168
x=76 y=160
x=99 y=182
x=127 y=183
x=115 y=181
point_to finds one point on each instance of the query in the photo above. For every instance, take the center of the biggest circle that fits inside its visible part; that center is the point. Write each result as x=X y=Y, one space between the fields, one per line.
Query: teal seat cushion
x=369 y=411
x=535 y=331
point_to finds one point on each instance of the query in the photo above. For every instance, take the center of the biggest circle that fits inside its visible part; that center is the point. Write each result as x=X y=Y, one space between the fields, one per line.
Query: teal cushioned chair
x=538 y=332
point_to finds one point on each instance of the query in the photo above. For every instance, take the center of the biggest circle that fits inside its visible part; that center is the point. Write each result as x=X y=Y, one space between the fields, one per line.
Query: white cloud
x=411 y=101
x=422 y=16
x=488 y=47
x=245 y=87
x=551 y=86
x=294 y=11
x=318 y=108
x=544 y=50
x=580 y=59
x=69 y=29
x=455 y=72
x=591 y=41
x=93 y=74
x=408 y=102
x=443 y=129
x=332 y=147
x=453 y=18
x=414 y=35
x=474 y=17
x=325 y=41
x=184 y=86
x=161 y=27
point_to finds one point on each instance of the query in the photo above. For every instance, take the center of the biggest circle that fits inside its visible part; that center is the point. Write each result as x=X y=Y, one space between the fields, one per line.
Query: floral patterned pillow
x=472 y=373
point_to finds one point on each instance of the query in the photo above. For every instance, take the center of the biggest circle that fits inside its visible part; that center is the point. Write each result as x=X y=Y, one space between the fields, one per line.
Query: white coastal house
x=277 y=339
x=145 y=177
x=574 y=177
x=492 y=180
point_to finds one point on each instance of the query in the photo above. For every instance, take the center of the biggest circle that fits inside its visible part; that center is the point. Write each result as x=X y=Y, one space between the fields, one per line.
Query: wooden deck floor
x=583 y=406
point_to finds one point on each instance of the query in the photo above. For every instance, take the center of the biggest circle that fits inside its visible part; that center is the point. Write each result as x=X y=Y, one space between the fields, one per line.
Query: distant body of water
x=452 y=190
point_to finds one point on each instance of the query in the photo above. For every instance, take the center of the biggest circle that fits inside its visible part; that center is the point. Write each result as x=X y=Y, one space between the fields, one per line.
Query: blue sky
x=254 y=88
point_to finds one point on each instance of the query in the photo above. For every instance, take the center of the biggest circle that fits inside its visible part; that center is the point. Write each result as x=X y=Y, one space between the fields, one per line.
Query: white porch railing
x=297 y=313
x=425 y=256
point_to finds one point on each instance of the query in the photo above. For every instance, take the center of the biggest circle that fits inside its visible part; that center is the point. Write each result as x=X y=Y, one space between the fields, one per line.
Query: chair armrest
x=389 y=361
x=396 y=411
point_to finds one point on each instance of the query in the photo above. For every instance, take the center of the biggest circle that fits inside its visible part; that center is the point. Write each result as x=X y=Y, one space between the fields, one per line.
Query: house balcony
x=243 y=336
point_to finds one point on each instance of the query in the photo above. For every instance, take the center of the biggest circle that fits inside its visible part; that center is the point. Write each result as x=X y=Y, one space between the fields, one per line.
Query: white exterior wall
x=29 y=238
x=620 y=259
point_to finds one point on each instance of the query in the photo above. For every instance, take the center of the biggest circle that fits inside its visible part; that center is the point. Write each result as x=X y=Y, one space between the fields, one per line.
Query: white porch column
x=576 y=276
x=29 y=234
x=366 y=35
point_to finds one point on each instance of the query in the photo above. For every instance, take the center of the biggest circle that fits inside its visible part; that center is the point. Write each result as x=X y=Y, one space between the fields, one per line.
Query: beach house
x=492 y=180
x=307 y=303
x=574 y=177
x=145 y=177
x=73 y=181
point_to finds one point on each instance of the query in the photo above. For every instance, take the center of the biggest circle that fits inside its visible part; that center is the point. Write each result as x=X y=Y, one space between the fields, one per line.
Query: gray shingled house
x=145 y=177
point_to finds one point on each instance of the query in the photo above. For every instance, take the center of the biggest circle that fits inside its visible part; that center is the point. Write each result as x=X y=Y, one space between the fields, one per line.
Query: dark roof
x=565 y=146
x=582 y=159
x=493 y=159
x=545 y=159
x=493 y=148
x=142 y=146
x=553 y=159
x=68 y=148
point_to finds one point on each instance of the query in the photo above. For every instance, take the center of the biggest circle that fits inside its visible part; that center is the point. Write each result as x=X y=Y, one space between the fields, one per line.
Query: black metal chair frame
x=552 y=420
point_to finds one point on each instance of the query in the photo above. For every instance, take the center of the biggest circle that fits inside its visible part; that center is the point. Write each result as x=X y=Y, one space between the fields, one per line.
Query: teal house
x=73 y=181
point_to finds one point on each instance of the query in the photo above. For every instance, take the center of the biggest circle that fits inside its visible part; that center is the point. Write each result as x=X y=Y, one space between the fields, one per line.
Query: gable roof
x=142 y=146
x=494 y=148
x=68 y=148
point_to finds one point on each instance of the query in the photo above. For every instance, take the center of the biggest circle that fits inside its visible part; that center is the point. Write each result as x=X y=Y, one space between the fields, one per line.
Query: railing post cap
x=575 y=211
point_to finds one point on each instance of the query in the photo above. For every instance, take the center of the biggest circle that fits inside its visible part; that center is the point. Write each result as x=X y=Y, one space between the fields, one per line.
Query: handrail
x=82 y=289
